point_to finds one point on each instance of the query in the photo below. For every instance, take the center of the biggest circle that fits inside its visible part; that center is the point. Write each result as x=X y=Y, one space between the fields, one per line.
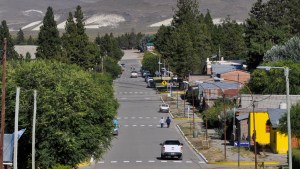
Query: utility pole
x=225 y=116
x=3 y=103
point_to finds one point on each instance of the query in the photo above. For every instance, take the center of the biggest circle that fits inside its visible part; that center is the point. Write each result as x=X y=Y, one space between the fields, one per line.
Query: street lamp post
x=286 y=73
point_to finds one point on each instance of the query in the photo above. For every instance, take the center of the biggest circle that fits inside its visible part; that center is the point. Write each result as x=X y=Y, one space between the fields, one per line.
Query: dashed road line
x=153 y=161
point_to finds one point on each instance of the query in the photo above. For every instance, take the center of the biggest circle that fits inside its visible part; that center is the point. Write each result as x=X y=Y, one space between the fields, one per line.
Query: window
x=267 y=128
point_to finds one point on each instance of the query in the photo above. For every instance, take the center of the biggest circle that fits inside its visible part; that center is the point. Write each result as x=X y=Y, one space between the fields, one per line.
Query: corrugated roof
x=275 y=115
x=219 y=69
x=218 y=85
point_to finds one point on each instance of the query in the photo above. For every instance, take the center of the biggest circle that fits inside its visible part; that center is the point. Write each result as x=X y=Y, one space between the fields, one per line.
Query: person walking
x=168 y=121
x=162 y=121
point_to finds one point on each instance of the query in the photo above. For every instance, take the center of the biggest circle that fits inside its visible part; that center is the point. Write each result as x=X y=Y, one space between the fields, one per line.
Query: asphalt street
x=137 y=145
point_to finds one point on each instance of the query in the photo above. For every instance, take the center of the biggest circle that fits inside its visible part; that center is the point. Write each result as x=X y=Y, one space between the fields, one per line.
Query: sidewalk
x=215 y=154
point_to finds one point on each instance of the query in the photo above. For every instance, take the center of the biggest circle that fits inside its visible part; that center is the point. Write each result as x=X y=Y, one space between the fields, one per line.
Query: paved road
x=137 y=145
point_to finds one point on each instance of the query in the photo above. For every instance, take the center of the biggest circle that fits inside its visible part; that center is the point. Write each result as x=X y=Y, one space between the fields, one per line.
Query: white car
x=133 y=74
x=164 y=108
x=171 y=148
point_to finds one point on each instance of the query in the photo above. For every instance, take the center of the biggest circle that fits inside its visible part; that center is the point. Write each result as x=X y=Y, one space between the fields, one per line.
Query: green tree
x=74 y=113
x=186 y=40
x=76 y=43
x=69 y=39
x=4 y=33
x=273 y=81
x=256 y=37
x=112 y=67
x=30 y=41
x=270 y=23
x=295 y=117
x=20 y=38
x=49 y=43
x=150 y=62
x=231 y=40
x=109 y=46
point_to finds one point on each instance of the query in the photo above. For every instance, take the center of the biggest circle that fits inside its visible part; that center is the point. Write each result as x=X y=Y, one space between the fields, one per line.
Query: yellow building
x=266 y=123
x=278 y=141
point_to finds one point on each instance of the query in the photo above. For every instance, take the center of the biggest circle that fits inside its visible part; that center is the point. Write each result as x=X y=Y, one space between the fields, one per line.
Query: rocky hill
x=117 y=16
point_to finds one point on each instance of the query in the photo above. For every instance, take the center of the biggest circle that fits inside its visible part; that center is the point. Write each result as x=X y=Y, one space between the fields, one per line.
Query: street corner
x=245 y=163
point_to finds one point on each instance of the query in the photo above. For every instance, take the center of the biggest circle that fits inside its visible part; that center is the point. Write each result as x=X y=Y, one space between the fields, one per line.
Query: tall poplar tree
x=49 y=43
x=4 y=33
x=256 y=36
x=20 y=37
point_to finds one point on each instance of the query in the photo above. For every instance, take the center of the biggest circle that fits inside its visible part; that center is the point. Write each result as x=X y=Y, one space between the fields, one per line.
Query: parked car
x=151 y=83
x=171 y=148
x=147 y=78
x=134 y=74
x=116 y=127
x=146 y=73
x=164 y=108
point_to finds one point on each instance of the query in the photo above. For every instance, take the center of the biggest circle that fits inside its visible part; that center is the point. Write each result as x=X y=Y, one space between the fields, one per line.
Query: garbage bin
x=195 y=133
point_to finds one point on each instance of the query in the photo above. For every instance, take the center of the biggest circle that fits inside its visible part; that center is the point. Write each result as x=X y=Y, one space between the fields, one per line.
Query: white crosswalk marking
x=138 y=161
x=101 y=162
x=177 y=161
x=151 y=161
x=126 y=161
x=164 y=161
x=113 y=161
x=142 y=125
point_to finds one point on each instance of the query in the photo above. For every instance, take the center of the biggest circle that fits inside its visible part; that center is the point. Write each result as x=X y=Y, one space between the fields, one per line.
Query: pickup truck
x=171 y=148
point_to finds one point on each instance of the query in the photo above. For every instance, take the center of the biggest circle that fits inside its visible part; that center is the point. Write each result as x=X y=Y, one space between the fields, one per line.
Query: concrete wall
x=267 y=101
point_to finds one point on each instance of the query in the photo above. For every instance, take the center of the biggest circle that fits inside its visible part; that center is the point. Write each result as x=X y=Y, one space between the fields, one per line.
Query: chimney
x=208 y=66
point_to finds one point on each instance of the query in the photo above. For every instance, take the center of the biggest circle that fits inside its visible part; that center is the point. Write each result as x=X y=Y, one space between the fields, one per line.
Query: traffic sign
x=164 y=82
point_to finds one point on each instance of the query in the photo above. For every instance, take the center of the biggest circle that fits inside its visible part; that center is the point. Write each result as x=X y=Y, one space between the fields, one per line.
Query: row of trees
x=76 y=104
x=192 y=36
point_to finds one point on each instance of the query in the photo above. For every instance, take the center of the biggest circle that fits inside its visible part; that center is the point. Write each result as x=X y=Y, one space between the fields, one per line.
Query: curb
x=185 y=118
x=84 y=164
x=244 y=163
x=201 y=155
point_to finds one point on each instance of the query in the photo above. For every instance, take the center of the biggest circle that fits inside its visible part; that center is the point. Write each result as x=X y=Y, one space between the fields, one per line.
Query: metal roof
x=275 y=115
x=219 y=69
x=219 y=85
